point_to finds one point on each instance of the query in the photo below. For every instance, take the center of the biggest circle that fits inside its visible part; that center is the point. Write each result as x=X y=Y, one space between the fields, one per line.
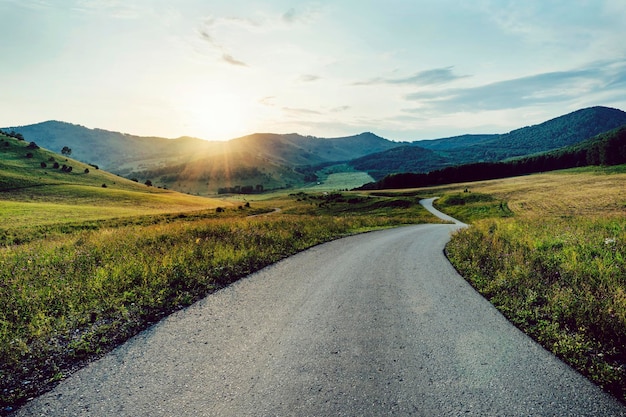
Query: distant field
x=342 y=181
x=595 y=192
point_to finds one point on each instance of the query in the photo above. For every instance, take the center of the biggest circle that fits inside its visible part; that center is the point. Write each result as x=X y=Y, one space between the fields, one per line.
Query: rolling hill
x=400 y=159
x=553 y=134
x=63 y=189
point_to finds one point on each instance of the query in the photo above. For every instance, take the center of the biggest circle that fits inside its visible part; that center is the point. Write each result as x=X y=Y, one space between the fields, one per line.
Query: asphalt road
x=371 y=325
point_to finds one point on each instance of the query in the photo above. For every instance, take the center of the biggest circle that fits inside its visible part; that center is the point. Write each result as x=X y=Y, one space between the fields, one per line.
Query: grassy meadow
x=73 y=290
x=549 y=251
x=83 y=267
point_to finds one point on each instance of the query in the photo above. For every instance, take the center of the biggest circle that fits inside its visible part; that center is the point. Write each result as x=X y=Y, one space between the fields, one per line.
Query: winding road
x=370 y=325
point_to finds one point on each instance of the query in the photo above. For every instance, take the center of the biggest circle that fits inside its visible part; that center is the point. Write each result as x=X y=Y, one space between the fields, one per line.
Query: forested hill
x=553 y=134
x=605 y=149
x=550 y=135
x=400 y=159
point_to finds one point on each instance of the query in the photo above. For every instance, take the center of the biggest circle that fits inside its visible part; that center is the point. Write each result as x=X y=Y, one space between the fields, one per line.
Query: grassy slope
x=71 y=196
x=36 y=201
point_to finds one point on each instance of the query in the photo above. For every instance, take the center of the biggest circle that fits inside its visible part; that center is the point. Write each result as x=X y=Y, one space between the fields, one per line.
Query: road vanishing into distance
x=370 y=325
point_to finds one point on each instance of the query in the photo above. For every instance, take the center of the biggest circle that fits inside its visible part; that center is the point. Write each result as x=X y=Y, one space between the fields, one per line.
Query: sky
x=403 y=69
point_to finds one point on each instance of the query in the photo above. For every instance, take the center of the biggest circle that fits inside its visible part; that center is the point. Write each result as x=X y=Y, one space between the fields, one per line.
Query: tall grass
x=561 y=280
x=68 y=299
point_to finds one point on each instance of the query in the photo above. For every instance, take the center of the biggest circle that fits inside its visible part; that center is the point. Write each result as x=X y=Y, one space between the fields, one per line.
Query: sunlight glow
x=217 y=116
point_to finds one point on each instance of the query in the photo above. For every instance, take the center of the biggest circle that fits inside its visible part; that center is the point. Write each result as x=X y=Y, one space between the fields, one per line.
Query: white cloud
x=307 y=78
x=543 y=88
x=422 y=78
x=119 y=9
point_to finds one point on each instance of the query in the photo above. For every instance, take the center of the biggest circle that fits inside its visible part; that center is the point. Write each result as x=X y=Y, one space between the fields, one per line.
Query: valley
x=90 y=258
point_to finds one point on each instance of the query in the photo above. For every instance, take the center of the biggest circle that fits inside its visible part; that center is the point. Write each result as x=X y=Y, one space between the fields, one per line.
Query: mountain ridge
x=267 y=161
x=605 y=149
x=260 y=160
x=550 y=135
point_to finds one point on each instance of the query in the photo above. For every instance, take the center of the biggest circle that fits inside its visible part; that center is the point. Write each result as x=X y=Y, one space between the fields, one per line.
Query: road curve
x=427 y=203
x=370 y=325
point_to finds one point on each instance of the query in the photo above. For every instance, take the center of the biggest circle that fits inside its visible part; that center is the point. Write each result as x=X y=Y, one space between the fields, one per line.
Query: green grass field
x=74 y=288
x=339 y=177
x=342 y=181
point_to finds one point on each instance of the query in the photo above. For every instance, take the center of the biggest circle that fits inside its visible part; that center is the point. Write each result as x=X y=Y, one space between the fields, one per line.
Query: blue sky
x=406 y=70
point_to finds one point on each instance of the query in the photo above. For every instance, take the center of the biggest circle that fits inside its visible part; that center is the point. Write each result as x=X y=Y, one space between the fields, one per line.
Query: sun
x=216 y=116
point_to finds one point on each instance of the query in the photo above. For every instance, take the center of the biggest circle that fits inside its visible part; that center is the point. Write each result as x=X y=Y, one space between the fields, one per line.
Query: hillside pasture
x=74 y=203
x=556 y=264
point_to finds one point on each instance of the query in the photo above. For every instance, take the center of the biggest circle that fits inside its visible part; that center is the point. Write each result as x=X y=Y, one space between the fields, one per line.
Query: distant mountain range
x=606 y=149
x=266 y=161
x=554 y=134
x=192 y=165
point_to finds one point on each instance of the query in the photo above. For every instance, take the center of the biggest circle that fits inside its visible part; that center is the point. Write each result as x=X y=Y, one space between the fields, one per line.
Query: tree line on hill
x=12 y=134
x=241 y=189
x=606 y=149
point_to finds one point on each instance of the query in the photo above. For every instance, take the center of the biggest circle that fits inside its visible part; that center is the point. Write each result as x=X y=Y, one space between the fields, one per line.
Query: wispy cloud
x=207 y=37
x=114 y=8
x=33 y=4
x=290 y=15
x=307 y=78
x=232 y=61
x=549 y=87
x=300 y=14
x=205 y=34
x=268 y=101
x=119 y=9
x=429 y=77
x=242 y=39
x=422 y=78
x=300 y=111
